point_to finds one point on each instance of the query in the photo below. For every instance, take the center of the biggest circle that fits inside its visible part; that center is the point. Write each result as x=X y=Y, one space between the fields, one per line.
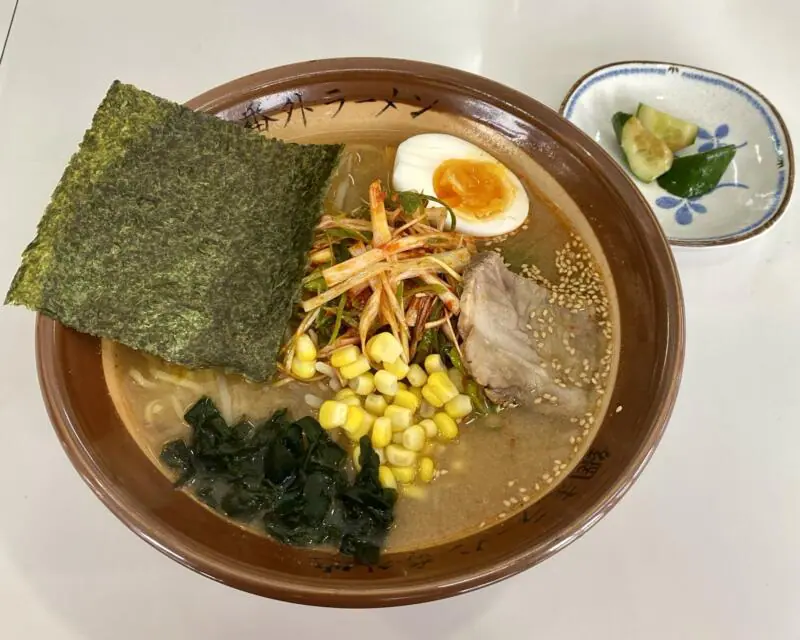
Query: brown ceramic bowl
x=344 y=100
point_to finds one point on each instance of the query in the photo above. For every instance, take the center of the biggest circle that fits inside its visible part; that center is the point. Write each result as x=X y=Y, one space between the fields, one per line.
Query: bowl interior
x=756 y=187
x=354 y=99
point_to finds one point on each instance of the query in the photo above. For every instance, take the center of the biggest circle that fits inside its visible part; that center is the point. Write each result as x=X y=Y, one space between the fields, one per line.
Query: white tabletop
x=6 y=11
x=707 y=543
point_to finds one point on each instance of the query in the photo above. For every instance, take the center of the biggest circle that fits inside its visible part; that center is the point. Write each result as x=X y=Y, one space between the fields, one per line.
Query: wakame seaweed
x=289 y=476
x=179 y=234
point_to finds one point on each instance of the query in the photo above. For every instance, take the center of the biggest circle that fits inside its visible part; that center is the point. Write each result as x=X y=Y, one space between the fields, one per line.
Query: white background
x=707 y=543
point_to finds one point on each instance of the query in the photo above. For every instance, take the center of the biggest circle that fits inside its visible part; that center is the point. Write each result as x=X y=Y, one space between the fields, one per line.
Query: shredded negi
x=400 y=268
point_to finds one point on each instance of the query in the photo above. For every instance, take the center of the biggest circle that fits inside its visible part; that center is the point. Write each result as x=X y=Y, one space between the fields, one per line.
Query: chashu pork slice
x=518 y=344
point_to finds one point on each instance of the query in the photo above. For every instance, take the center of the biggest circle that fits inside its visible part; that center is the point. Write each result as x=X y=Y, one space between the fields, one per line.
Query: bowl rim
x=788 y=155
x=363 y=593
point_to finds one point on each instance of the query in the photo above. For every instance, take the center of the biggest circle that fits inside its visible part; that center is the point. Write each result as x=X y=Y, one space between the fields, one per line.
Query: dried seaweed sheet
x=178 y=234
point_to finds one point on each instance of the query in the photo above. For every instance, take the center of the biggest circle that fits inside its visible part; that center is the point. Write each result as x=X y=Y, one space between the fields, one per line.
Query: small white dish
x=756 y=188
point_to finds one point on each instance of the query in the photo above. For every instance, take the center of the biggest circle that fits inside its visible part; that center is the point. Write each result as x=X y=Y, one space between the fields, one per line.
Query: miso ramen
x=492 y=412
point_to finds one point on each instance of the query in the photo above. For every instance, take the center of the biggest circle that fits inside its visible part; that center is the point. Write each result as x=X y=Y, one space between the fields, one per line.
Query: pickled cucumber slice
x=618 y=121
x=648 y=156
x=677 y=133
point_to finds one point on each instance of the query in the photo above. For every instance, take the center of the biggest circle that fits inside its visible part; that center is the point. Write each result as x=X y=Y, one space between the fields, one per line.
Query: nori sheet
x=178 y=234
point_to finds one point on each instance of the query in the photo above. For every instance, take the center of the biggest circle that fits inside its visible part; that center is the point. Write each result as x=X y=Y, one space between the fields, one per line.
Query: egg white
x=416 y=162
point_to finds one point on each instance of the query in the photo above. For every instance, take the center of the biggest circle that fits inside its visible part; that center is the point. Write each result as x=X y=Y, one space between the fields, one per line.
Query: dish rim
x=366 y=593
x=788 y=155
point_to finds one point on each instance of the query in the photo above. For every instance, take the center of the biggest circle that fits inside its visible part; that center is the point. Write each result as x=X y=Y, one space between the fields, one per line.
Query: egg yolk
x=474 y=187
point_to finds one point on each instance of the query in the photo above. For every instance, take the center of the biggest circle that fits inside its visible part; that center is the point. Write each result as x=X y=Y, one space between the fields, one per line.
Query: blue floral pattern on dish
x=686 y=208
x=716 y=139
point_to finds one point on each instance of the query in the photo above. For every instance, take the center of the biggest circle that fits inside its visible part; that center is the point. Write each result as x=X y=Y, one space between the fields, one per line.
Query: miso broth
x=500 y=464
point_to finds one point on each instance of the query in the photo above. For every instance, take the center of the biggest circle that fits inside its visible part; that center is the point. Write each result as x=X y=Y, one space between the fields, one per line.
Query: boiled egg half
x=487 y=198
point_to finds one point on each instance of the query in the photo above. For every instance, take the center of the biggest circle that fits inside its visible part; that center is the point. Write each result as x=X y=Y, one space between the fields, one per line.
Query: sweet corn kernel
x=323 y=255
x=305 y=349
x=384 y=347
x=366 y=424
x=303 y=369
x=332 y=414
x=401 y=417
x=426 y=469
x=375 y=404
x=442 y=386
x=459 y=407
x=434 y=363
x=359 y=433
x=355 y=455
x=348 y=397
x=416 y=376
x=354 y=420
x=416 y=392
x=404 y=475
x=381 y=432
x=448 y=429
x=457 y=378
x=400 y=456
x=406 y=399
x=385 y=382
x=397 y=438
x=426 y=410
x=386 y=477
x=355 y=369
x=381 y=455
x=345 y=355
x=402 y=386
x=431 y=397
x=368 y=420
x=414 y=438
x=399 y=368
x=363 y=385
x=431 y=430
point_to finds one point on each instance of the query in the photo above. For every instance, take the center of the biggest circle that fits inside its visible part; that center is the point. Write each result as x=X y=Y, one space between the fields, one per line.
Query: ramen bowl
x=348 y=100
